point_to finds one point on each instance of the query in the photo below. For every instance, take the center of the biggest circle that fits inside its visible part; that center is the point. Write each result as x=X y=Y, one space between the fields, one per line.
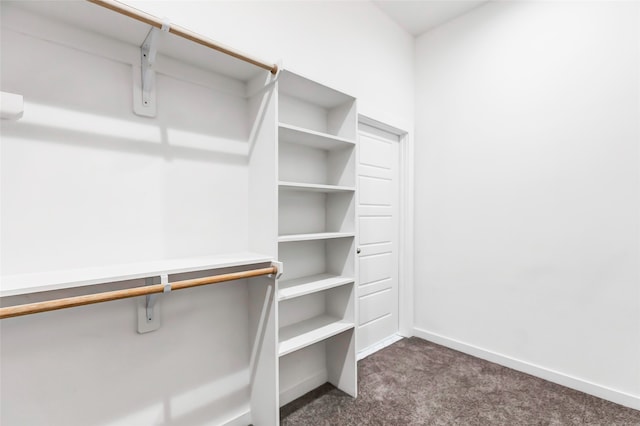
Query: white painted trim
x=240 y=420
x=378 y=346
x=405 y=245
x=406 y=259
x=363 y=119
x=613 y=395
x=303 y=387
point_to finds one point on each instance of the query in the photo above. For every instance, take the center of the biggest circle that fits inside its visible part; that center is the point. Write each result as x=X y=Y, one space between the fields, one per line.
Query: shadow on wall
x=82 y=97
x=83 y=131
x=196 y=406
x=172 y=134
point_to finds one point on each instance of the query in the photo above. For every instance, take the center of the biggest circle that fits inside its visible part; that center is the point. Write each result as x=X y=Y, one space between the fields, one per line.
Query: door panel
x=378 y=198
x=375 y=191
x=375 y=267
x=377 y=330
x=374 y=287
x=376 y=229
x=377 y=153
x=375 y=305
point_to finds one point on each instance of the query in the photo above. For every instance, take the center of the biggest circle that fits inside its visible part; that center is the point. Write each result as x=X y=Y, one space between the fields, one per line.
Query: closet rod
x=154 y=21
x=71 y=302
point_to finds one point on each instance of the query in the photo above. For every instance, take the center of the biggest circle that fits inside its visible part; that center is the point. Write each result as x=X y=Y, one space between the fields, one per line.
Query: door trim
x=405 y=220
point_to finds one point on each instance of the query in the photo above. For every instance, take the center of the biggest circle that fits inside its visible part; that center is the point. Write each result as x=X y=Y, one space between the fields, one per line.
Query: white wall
x=527 y=190
x=85 y=182
x=350 y=46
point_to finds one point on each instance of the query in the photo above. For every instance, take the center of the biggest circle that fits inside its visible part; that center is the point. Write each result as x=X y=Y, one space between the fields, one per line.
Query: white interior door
x=378 y=202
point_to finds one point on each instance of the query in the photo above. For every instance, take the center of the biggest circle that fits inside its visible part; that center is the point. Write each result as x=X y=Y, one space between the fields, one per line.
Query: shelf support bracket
x=280 y=267
x=144 y=96
x=149 y=308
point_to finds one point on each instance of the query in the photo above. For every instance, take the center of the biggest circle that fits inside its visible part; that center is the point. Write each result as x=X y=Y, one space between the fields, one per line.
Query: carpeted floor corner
x=415 y=382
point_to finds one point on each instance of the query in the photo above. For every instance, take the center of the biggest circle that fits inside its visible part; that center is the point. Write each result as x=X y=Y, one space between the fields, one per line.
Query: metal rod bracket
x=144 y=98
x=280 y=267
x=149 y=308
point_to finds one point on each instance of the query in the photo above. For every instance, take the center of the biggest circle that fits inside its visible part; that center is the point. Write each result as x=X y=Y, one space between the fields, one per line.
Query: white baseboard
x=622 y=398
x=306 y=385
x=243 y=419
x=377 y=346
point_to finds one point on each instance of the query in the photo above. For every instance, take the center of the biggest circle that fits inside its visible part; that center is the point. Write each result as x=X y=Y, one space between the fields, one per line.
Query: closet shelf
x=313 y=187
x=308 y=332
x=13 y=285
x=289 y=289
x=316 y=236
x=298 y=135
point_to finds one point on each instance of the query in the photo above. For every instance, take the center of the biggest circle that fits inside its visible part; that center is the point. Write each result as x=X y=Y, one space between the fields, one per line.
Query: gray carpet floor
x=414 y=382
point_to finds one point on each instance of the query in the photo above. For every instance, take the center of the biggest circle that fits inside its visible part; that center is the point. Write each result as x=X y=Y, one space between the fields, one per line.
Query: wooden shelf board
x=289 y=289
x=316 y=236
x=13 y=285
x=313 y=187
x=308 y=332
x=311 y=138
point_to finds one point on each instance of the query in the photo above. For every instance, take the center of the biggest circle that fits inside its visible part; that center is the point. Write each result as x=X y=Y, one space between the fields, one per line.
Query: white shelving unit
x=316 y=237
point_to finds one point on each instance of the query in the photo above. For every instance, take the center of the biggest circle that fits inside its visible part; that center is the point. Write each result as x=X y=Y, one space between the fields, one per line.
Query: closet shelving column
x=316 y=237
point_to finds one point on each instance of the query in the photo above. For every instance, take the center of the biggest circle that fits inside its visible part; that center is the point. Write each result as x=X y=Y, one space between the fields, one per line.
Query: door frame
x=405 y=222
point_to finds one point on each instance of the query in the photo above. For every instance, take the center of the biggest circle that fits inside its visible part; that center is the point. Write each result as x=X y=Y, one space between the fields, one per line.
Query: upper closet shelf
x=298 y=135
x=13 y=285
x=312 y=187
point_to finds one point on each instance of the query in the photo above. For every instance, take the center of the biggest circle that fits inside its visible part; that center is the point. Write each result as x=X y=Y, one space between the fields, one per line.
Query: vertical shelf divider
x=263 y=222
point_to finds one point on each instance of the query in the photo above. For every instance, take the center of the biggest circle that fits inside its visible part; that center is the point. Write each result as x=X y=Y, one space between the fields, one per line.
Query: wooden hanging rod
x=70 y=302
x=154 y=21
